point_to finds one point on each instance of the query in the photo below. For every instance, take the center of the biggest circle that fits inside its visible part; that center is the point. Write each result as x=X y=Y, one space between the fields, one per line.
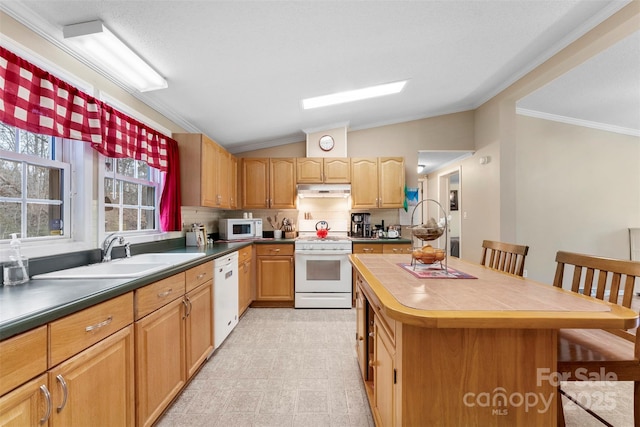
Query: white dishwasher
x=225 y=296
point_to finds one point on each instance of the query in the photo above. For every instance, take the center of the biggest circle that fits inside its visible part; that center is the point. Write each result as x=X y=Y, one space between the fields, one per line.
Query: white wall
x=578 y=189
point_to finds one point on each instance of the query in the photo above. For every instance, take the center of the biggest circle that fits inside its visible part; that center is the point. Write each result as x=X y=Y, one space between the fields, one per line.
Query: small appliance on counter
x=240 y=228
x=361 y=224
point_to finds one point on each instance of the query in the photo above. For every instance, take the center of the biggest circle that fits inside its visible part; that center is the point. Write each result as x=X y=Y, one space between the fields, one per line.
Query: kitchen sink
x=136 y=266
x=161 y=258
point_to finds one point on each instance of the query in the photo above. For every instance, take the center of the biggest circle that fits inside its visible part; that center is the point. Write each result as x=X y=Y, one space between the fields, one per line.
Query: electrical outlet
x=464 y=215
x=524 y=273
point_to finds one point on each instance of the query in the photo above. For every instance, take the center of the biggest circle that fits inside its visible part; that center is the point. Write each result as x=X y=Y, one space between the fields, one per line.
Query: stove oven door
x=322 y=271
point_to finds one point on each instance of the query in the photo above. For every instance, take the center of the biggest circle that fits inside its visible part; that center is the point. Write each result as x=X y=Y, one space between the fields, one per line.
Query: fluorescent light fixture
x=353 y=95
x=108 y=52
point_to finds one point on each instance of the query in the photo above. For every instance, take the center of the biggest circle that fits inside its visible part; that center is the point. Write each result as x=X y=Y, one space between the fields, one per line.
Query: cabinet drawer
x=15 y=367
x=155 y=295
x=396 y=248
x=196 y=276
x=366 y=248
x=271 y=250
x=74 y=333
x=244 y=254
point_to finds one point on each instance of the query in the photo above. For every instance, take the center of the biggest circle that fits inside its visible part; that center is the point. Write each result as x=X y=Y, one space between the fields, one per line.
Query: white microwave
x=239 y=228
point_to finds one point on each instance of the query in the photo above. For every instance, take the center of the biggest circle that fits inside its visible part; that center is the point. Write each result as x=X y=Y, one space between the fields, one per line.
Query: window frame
x=155 y=180
x=62 y=163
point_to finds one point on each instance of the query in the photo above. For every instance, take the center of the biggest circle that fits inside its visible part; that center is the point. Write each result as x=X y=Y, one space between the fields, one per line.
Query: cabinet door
x=28 y=405
x=391 y=182
x=244 y=286
x=275 y=278
x=96 y=384
x=209 y=196
x=364 y=182
x=361 y=332
x=384 y=378
x=160 y=360
x=282 y=183
x=233 y=186
x=337 y=170
x=199 y=326
x=309 y=170
x=255 y=183
x=223 y=178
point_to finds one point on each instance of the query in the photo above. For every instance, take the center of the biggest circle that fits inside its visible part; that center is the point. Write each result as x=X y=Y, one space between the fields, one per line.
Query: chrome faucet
x=107 y=246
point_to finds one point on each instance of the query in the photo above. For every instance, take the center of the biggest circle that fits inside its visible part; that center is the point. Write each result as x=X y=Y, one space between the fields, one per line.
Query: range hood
x=324 y=190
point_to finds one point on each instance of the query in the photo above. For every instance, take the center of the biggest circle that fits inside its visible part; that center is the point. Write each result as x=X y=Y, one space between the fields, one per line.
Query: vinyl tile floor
x=286 y=367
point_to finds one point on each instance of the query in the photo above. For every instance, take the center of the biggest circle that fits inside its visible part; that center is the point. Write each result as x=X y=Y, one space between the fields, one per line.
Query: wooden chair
x=505 y=257
x=615 y=351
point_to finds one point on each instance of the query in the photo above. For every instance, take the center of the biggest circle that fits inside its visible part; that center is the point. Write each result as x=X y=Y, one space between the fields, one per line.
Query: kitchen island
x=470 y=351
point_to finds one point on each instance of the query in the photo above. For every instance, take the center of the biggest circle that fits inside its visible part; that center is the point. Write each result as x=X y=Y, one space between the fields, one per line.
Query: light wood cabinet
x=28 y=405
x=245 y=293
x=384 y=373
x=15 y=369
x=328 y=170
x=206 y=177
x=199 y=324
x=274 y=275
x=396 y=248
x=377 y=182
x=268 y=183
x=96 y=385
x=174 y=336
x=160 y=360
x=367 y=248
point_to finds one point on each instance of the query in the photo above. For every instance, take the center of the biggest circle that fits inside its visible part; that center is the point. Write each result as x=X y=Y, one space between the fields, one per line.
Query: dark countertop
x=379 y=240
x=38 y=302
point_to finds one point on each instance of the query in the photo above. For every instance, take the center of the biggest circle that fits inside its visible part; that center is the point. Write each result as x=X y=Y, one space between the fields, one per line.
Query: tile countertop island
x=477 y=351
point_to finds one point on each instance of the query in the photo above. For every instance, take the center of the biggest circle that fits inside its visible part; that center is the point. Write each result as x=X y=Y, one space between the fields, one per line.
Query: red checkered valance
x=34 y=100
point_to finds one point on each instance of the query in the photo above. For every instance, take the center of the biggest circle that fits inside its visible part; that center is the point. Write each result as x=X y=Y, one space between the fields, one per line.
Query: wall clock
x=326 y=143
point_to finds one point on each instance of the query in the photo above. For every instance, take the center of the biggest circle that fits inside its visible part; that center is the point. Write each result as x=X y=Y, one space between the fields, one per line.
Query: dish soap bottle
x=15 y=271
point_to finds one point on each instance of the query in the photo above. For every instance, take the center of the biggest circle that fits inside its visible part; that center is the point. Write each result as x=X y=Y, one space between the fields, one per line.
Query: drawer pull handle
x=372 y=335
x=395 y=249
x=47 y=397
x=65 y=393
x=367 y=249
x=276 y=250
x=99 y=325
x=165 y=293
x=201 y=275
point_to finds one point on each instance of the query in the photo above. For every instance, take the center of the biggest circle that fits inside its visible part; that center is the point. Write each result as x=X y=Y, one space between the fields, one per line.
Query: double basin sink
x=135 y=266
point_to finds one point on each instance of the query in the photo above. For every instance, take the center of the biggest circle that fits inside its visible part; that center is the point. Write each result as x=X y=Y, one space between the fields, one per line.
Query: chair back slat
x=505 y=257
x=615 y=288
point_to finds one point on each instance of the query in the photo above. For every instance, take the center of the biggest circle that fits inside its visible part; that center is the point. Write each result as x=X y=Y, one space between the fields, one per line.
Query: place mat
x=424 y=271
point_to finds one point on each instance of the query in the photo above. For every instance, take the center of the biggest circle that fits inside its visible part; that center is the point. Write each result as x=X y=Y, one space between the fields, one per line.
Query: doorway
x=450 y=197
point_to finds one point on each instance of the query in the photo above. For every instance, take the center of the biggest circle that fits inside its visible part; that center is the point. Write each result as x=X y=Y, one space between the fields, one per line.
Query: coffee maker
x=361 y=224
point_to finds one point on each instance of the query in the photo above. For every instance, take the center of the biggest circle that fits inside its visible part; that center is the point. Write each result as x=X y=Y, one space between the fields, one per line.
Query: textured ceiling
x=237 y=71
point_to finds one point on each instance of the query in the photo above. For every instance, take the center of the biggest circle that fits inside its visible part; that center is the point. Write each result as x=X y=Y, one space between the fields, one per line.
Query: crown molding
x=578 y=122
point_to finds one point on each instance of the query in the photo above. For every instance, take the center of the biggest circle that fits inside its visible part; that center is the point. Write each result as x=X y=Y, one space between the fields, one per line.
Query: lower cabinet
x=160 y=360
x=274 y=275
x=172 y=341
x=245 y=291
x=384 y=377
x=28 y=405
x=96 y=387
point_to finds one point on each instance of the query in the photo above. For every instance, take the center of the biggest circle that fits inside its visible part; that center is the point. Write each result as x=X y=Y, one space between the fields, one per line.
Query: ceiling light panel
x=354 y=95
x=101 y=47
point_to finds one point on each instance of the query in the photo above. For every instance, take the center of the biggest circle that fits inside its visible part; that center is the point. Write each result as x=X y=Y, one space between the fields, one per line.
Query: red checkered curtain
x=34 y=100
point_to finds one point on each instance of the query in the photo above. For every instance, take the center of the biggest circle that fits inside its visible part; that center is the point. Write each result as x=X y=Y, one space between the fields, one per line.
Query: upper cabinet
x=207 y=175
x=377 y=182
x=318 y=170
x=268 y=183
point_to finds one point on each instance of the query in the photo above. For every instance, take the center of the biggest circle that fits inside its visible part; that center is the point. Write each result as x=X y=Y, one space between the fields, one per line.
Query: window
x=34 y=185
x=131 y=194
